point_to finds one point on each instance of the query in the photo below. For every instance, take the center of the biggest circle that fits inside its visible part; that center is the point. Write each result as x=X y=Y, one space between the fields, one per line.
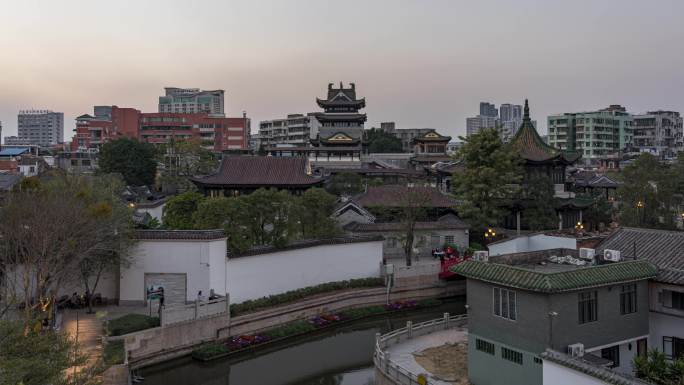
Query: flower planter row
x=244 y=343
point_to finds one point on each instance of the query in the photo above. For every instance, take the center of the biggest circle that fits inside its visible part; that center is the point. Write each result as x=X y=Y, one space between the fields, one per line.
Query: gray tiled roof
x=663 y=248
x=8 y=180
x=584 y=366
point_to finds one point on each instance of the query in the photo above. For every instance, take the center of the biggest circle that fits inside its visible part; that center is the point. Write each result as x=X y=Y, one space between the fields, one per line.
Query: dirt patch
x=447 y=362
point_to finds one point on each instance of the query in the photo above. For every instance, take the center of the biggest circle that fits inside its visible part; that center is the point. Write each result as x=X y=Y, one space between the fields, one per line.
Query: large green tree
x=179 y=210
x=656 y=369
x=491 y=178
x=649 y=197
x=345 y=183
x=228 y=214
x=133 y=159
x=380 y=141
x=312 y=212
x=183 y=159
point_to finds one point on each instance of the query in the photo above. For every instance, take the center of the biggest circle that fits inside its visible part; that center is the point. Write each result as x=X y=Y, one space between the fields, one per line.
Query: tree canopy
x=649 y=197
x=345 y=183
x=133 y=159
x=179 y=210
x=541 y=212
x=380 y=141
x=491 y=178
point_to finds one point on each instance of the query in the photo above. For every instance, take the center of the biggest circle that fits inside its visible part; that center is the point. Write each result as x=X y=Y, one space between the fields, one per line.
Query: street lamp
x=579 y=226
x=490 y=234
x=640 y=207
x=131 y=205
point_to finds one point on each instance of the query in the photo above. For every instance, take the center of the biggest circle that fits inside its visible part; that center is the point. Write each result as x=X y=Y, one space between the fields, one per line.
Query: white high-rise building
x=40 y=127
x=477 y=123
x=192 y=100
x=295 y=130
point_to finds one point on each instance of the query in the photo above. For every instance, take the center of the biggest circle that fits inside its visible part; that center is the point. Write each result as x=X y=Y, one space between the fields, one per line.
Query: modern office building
x=40 y=127
x=597 y=134
x=510 y=112
x=295 y=130
x=192 y=100
x=488 y=109
x=477 y=123
x=658 y=132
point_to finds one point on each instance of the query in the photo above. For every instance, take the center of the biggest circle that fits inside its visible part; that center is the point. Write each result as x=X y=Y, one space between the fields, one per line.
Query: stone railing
x=199 y=309
x=396 y=373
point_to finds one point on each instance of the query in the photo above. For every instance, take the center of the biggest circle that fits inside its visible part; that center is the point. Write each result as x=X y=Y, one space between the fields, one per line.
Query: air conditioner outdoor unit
x=576 y=350
x=586 y=253
x=482 y=256
x=611 y=255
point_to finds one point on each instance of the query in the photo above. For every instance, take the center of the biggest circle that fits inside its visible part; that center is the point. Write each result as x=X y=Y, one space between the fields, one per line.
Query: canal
x=343 y=356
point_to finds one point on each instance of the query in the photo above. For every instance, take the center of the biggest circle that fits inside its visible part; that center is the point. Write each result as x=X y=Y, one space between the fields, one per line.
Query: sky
x=419 y=63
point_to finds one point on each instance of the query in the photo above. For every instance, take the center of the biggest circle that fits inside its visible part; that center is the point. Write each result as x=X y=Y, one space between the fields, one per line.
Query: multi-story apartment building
x=597 y=134
x=192 y=100
x=40 y=127
x=658 y=132
x=520 y=305
x=488 y=109
x=510 y=112
x=477 y=123
x=216 y=133
x=295 y=130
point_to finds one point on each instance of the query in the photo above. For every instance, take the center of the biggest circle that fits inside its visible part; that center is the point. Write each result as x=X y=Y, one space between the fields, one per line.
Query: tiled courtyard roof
x=398 y=195
x=531 y=147
x=663 y=248
x=261 y=171
x=446 y=222
x=306 y=243
x=555 y=282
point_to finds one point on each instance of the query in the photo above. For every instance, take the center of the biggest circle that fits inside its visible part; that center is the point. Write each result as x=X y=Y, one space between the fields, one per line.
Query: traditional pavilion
x=244 y=174
x=429 y=149
x=539 y=158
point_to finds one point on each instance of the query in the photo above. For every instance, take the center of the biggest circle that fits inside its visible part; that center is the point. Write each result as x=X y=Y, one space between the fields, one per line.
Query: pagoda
x=339 y=142
x=539 y=158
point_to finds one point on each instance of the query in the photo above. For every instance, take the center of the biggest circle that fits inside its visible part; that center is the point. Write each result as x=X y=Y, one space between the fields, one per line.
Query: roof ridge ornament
x=526 y=115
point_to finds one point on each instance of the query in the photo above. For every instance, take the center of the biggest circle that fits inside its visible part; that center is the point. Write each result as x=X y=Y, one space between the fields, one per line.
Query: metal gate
x=175 y=286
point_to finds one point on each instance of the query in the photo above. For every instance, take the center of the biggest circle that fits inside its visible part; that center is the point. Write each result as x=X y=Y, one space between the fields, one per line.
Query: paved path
x=402 y=353
x=89 y=331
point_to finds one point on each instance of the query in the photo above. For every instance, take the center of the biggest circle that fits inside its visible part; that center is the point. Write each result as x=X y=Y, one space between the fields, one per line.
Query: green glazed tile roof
x=580 y=278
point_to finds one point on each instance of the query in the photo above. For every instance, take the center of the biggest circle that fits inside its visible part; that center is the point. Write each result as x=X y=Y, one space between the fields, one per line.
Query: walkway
x=402 y=353
x=88 y=331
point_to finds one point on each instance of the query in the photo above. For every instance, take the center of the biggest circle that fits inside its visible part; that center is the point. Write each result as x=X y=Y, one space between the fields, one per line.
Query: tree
x=312 y=213
x=656 y=369
x=412 y=210
x=30 y=356
x=49 y=231
x=183 y=159
x=600 y=212
x=268 y=212
x=345 y=183
x=179 y=210
x=491 y=178
x=649 y=198
x=380 y=141
x=228 y=214
x=540 y=213
x=133 y=159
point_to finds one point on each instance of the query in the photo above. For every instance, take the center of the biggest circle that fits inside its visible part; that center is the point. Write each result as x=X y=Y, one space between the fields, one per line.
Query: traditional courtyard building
x=429 y=149
x=239 y=175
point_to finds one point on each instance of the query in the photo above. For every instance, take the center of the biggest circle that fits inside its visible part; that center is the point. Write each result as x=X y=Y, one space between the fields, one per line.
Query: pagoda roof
x=341 y=97
x=340 y=137
x=431 y=136
x=532 y=148
x=341 y=117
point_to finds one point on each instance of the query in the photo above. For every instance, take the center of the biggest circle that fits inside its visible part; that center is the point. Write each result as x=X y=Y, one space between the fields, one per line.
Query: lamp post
x=640 y=210
x=490 y=234
x=552 y=315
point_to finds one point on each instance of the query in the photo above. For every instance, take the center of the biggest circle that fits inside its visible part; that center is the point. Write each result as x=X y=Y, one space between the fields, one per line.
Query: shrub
x=113 y=353
x=290 y=329
x=429 y=302
x=363 y=312
x=130 y=323
x=209 y=350
x=294 y=295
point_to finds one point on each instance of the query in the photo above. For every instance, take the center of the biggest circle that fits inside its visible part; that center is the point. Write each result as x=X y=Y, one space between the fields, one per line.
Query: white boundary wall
x=255 y=276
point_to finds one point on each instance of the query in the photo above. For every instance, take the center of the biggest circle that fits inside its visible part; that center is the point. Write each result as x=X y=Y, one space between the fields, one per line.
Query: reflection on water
x=338 y=357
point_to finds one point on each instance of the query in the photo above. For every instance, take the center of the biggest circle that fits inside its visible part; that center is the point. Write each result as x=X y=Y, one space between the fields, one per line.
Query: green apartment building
x=597 y=134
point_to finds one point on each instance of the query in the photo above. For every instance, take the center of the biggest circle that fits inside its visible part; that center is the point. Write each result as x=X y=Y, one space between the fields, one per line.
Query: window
x=484 y=346
x=511 y=355
x=587 y=307
x=672 y=299
x=612 y=353
x=628 y=302
x=673 y=347
x=449 y=239
x=505 y=304
x=538 y=360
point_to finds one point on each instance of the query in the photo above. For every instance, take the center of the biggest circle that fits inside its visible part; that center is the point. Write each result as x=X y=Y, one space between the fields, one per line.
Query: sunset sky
x=419 y=63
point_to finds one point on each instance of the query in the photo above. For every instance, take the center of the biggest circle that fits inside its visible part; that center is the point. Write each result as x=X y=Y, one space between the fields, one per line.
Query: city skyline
x=417 y=66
